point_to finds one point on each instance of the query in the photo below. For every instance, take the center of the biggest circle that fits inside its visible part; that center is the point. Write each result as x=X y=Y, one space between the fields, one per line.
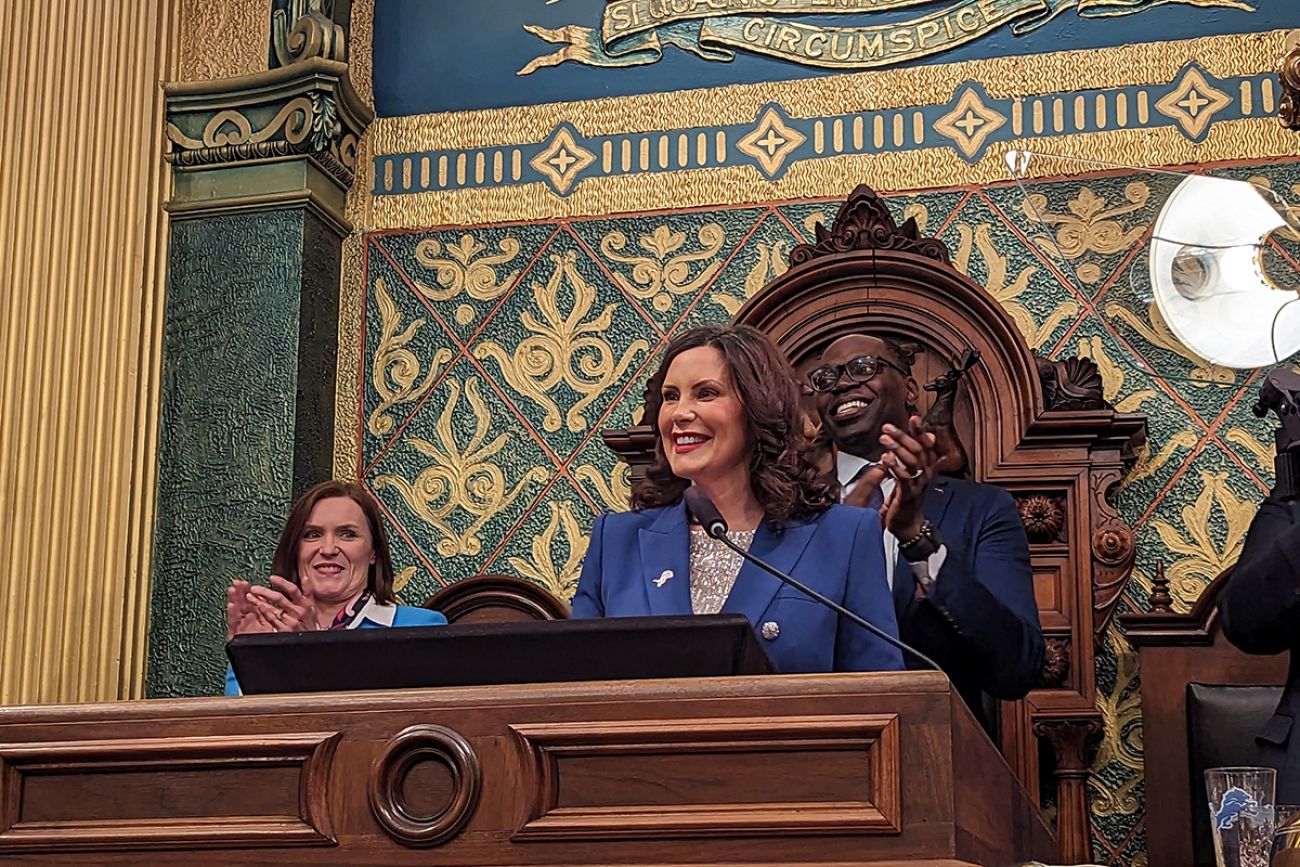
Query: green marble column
x=261 y=165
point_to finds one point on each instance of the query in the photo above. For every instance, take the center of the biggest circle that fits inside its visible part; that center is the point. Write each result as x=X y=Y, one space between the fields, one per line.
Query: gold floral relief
x=615 y=491
x=1121 y=740
x=769 y=261
x=1199 y=559
x=1263 y=453
x=402 y=578
x=459 y=478
x=980 y=237
x=560 y=578
x=1155 y=330
x=1148 y=464
x=1090 y=226
x=563 y=347
x=462 y=268
x=1112 y=377
x=395 y=369
x=667 y=271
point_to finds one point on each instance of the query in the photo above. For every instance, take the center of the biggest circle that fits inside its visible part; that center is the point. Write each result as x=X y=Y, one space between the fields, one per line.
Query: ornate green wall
x=494 y=355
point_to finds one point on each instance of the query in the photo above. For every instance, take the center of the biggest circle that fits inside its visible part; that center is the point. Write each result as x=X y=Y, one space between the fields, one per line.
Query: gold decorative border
x=223 y=39
x=361 y=38
x=1222 y=56
x=1002 y=78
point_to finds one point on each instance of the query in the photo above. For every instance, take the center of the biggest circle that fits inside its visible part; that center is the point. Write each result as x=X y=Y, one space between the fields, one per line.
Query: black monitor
x=477 y=654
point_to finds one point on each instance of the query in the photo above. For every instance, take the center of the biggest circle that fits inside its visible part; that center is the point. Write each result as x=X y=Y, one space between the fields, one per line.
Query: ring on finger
x=916 y=475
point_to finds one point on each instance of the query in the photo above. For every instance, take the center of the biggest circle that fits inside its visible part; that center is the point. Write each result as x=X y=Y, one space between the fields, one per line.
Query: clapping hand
x=910 y=457
x=282 y=607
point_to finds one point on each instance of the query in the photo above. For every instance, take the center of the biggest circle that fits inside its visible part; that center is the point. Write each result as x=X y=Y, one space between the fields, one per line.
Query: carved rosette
x=1071 y=384
x=1113 y=551
x=1043 y=517
x=865 y=223
x=1289 y=78
x=1056 y=662
x=308 y=109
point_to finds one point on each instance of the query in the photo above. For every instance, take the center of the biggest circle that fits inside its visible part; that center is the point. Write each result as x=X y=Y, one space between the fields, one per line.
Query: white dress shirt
x=847 y=469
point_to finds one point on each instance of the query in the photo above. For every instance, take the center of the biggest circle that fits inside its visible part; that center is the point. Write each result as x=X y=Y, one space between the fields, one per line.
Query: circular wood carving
x=1043 y=517
x=411 y=746
x=1112 y=546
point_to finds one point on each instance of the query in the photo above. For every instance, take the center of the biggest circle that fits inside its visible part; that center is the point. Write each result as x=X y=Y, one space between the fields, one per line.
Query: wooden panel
x=641 y=779
x=145 y=793
x=747 y=737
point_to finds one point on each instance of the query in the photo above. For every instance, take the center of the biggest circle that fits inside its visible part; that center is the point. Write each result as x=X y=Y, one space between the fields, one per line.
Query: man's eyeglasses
x=859 y=369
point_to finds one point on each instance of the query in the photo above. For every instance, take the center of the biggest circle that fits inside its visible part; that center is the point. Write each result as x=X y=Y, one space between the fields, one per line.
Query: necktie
x=877 y=499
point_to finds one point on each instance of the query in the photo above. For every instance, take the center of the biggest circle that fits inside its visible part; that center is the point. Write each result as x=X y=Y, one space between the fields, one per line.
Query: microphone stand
x=718 y=531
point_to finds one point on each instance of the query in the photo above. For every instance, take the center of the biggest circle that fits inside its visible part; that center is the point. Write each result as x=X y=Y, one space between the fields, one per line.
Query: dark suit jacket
x=1260 y=612
x=980 y=621
x=638 y=564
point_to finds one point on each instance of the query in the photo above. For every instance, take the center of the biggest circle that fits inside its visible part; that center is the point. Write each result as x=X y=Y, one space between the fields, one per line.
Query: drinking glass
x=1241 y=815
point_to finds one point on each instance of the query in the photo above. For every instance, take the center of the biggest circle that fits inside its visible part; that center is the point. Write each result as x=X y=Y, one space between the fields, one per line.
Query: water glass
x=1241 y=815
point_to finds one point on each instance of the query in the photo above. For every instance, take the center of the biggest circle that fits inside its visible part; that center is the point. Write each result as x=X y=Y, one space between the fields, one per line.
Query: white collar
x=381 y=615
x=847 y=466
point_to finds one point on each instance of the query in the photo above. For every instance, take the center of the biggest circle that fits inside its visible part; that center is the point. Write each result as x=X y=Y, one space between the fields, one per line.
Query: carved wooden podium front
x=1039 y=428
x=865 y=769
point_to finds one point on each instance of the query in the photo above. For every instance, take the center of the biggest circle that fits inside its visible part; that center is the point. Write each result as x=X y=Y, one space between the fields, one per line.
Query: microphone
x=714 y=525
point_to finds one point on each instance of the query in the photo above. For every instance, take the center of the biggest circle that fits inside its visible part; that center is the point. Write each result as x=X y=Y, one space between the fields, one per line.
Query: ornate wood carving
x=1043 y=517
x=1071 y=383
x=634 y=445
x=1032 y=425
x=865 y=223
x=1161 y=600
x=1289 y=78
x=1056 y=662
x=422 y=743
x=796 y=749
x=44 y=783
x=1112 y=550
x=953 y=459
x=1070 y=739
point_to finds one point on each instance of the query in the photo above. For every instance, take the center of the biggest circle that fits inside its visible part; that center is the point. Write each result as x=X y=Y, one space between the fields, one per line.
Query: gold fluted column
x=81 y=275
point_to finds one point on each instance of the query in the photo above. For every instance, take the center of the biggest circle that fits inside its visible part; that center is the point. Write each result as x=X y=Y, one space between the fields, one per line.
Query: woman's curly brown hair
x=784 y=479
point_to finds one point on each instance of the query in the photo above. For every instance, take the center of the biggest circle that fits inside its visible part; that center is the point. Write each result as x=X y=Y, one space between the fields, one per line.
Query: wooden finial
x=1160 y=599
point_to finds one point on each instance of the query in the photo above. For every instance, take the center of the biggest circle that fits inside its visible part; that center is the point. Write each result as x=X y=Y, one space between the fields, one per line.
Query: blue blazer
x=980 y=621
x=373 y=616
x=638 y=564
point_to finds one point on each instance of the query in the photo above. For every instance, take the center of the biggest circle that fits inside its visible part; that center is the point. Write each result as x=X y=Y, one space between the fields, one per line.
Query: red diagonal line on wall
x=1089 y=308
x=461 y=348
x=609 y=273
x=631 y=378
x=1123 y=268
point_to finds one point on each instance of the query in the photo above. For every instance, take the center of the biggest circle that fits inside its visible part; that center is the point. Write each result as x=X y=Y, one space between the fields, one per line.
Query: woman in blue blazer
x=727 y=420
x=332 y=570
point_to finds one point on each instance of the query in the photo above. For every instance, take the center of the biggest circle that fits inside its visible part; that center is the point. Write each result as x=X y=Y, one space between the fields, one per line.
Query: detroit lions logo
x=1235 y=802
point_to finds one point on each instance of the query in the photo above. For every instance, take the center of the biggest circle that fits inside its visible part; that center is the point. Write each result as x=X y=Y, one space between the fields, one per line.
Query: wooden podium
x=869 y=769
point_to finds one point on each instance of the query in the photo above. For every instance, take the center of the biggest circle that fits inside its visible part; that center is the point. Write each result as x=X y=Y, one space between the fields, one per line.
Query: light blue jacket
x=372 y=616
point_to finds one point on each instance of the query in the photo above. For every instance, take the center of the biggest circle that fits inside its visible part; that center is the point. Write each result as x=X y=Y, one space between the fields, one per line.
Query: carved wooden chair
x=491 y=598
x=1041 y=429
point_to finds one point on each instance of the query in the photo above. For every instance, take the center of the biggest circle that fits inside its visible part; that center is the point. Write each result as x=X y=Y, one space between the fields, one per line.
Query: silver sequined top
x=714 y=568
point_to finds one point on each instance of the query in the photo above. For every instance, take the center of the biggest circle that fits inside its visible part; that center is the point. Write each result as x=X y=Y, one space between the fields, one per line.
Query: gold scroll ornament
x=634 y=32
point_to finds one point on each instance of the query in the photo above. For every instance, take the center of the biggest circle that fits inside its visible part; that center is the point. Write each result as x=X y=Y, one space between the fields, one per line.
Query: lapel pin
x=663 y=577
